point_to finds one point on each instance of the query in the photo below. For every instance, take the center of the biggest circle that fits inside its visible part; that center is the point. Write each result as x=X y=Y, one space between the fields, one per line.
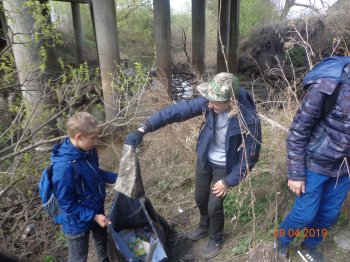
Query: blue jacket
x=235 y=157
x=80 y=199
x=321 y=143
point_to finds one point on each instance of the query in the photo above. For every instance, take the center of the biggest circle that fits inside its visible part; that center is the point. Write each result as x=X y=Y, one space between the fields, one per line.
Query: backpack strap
x=330 y=101
x=49 y=176
x=75 y=175
x=75 y=170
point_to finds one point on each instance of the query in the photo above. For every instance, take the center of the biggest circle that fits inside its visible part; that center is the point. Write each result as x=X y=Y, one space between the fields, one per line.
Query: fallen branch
x=31 y=147
x=184 y=44
x=302 y=256
x=22 y=214
x=14 y=205
x=273 y=123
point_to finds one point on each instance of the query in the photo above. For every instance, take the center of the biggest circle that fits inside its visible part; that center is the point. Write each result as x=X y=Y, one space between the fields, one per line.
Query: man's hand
x=134 y=138
x=102 y=220
x=219 y=189
x=297 y=187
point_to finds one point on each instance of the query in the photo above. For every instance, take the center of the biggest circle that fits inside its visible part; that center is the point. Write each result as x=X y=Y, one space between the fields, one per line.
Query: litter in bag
x=138 y=232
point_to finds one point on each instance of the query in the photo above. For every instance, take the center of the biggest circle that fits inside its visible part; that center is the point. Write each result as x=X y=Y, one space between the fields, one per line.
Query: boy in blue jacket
x=228 y=145
x=80 y=187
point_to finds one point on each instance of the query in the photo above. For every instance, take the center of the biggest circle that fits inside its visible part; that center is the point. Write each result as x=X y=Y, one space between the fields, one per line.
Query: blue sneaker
x=312 y=254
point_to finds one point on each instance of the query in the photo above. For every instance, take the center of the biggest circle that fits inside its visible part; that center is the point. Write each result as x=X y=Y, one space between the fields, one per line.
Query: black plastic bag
x=134 y=214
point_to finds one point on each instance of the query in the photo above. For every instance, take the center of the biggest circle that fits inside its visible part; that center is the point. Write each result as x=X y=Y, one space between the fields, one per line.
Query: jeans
x=315 y=210
x=78 y=245
x=211 y=207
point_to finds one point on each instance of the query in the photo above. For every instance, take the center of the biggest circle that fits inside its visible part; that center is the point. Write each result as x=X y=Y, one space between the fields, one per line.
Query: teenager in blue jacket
x=228 y=145
x=80 y=187
x=318 y=151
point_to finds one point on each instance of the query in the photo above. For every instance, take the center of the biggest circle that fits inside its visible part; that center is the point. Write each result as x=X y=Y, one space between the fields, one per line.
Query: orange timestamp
x=306 y=232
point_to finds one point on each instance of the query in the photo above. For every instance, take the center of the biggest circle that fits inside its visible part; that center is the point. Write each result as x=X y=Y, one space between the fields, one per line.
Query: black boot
x=201 y=231
x=281 y=252
x=212 y=249
x=198 y=233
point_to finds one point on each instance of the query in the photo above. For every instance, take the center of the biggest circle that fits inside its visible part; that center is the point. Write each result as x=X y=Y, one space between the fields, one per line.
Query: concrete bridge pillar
x=108 y=52
x=161 y=9
x=198 y=35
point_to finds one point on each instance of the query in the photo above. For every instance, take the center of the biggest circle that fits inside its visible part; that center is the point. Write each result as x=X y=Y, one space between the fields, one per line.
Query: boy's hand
x=102 y=220
x=297 y=187
x=219 y=189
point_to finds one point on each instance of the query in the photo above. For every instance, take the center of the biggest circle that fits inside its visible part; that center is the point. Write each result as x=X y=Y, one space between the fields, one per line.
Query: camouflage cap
x=220 y=88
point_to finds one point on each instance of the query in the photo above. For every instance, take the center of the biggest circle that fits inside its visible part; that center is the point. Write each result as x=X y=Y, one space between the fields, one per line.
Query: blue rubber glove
x=134 y=138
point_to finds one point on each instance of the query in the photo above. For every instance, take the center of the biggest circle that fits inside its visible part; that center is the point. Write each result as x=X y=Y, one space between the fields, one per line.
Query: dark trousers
x=211 y=207
x=78 y=245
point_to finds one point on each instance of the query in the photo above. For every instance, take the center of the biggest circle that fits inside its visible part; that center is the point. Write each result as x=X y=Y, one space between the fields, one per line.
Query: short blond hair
x=83 y=123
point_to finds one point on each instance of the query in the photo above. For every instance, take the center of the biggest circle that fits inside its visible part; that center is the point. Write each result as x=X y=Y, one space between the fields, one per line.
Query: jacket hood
x=66 y=151
x=330 y=68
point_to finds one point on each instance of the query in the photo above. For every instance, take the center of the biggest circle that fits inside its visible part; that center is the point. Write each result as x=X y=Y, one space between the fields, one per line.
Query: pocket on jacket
x=313 y=146
x=324 y=152
x=88 y=200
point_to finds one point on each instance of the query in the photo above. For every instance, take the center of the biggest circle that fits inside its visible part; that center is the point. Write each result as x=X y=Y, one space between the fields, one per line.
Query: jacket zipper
x=93 y=169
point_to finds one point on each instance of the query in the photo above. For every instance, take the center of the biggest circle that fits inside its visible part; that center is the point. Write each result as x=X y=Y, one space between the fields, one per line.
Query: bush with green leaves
x=239 y=206
x=297 y=56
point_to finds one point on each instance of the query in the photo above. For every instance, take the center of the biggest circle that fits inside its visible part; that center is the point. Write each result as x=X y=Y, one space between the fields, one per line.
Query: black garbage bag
x=138 y=232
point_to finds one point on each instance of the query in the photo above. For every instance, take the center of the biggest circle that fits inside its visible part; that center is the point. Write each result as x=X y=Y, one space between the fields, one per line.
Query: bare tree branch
x=184 y=44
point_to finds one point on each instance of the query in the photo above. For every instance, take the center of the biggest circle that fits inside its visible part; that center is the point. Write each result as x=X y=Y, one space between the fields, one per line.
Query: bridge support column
x=161 y=9
x=108 y=52
x=78 y=31
x=198 y=35
x=37 y=96
x=223 y=35
x=234 y=37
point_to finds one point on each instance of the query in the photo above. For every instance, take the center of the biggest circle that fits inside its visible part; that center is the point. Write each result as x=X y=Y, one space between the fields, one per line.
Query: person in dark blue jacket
x=318 y=151
x=80 y=187
x=228 y=146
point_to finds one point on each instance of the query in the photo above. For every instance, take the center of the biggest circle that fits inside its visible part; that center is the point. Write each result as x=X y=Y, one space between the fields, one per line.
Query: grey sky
x=182 y=5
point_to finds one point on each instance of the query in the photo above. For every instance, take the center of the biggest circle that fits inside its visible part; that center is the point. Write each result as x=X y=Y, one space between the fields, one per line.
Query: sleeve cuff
x=225 y=183
x=145 y=126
